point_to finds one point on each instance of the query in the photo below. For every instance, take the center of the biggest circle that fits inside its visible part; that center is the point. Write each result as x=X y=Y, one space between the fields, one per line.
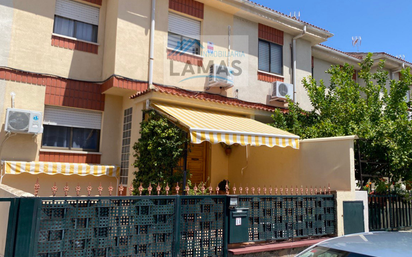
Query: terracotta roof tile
x=272 y=10
x=347 y=53
x=363 y=54
x=206 y=97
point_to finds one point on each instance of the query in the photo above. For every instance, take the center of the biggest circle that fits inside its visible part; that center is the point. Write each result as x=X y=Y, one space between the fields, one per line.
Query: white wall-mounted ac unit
x=23 y=121
x=220 y=76
x=281 y=90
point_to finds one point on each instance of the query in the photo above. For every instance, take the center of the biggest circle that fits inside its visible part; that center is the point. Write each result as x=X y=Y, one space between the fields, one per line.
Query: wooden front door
x=196 y=162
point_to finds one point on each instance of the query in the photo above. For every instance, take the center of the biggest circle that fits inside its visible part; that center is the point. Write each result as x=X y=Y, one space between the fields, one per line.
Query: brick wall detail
x=185 y=58
x=60 y=91
x=69 y=157
x=74 y=44
x=269 y=78
x=136 y=86
x=189 y=7
x=270 y=34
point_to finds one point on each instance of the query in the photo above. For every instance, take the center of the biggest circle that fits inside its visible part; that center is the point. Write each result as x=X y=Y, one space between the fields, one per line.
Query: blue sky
x=383 y=25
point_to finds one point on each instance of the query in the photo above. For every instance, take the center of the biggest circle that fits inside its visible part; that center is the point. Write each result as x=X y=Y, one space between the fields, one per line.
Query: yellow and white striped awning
x=217 y=127
x=52 y=168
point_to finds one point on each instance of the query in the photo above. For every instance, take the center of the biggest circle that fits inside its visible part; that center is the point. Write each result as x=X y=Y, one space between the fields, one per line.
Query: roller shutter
x=184 y=26
x=77 y=11
x=70 y=117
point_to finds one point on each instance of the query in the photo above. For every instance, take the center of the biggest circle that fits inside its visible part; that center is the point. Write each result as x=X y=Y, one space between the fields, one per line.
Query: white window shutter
x=184 y=26
x=71 y=117
x=77 y=11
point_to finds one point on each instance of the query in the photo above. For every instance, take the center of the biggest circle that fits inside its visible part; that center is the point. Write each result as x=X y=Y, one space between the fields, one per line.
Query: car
x=371 y=244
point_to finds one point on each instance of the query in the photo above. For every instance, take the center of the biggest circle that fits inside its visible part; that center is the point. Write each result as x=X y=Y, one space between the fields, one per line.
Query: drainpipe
x=294 y=61
x=151 y=50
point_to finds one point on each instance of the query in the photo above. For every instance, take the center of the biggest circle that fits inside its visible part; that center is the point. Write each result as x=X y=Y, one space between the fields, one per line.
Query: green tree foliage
x=158 y=152
x=374 y=109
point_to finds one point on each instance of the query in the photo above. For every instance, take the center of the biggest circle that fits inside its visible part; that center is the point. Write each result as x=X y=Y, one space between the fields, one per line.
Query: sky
x=384 y=26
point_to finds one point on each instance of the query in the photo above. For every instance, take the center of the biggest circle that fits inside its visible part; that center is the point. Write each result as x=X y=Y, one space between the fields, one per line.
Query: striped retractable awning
x=52 y=168
x=215 y=127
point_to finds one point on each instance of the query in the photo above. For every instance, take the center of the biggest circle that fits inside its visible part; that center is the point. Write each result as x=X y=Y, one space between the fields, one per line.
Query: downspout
x=294 y=61
x=151 y=50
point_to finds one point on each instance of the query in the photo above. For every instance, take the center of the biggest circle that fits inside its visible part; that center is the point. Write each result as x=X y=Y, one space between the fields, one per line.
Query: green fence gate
x=156 y=225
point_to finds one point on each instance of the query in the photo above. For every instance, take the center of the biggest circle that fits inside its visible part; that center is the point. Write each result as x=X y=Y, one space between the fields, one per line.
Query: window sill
x=185 y=53
x=75 y=39
x=183 y=57
x=269 y=77
x=68 y=151
x=271 y=74
x=74 y=44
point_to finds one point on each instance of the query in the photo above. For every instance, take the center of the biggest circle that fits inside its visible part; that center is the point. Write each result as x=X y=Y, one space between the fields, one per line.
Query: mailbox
x=238 y=222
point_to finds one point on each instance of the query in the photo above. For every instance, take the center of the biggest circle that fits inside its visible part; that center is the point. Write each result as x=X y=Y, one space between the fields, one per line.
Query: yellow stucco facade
x=119 y=67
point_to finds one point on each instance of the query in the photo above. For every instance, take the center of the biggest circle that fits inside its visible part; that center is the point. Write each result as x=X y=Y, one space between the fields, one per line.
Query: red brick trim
x=186 y=58
x=269 y=77
x=125 y=84
x=60 y=91
x=74 y=94
x=69 y=157
x=270 y=34
x=97 y=2
x=74 y=44
x=189 y=7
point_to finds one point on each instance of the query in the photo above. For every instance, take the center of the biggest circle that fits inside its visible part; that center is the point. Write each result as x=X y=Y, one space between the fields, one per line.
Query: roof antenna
x=401 y=56
x=299 y=15
x=356 y=42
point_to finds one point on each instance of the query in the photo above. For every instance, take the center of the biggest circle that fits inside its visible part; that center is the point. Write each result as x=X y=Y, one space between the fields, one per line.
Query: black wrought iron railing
x=389 y=212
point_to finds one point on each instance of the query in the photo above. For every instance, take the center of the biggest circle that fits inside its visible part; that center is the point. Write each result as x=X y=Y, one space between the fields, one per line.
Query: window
x=127 y=132
x=71 y=138
x=71 y=129
x=270 y=57
x=184 y=34
x=76 y=20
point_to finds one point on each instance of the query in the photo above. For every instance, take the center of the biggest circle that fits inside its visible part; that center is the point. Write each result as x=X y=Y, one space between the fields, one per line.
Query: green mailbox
x=238 y=222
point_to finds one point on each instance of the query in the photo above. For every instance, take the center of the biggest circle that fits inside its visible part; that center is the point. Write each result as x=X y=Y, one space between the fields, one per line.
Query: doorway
x=196 y=162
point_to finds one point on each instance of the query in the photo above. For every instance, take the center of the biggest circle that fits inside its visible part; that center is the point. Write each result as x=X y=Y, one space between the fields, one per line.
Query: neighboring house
x=85 y=66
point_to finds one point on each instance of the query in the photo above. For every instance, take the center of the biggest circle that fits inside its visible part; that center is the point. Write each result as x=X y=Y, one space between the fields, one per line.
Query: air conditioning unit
x=281 y=90
x=220 y=76
x=23 y=121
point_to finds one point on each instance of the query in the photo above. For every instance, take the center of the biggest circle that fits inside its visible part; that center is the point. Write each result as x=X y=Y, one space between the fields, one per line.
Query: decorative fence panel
x=158 y=225
x=106 y=227
x=389 y=212
x=286 y=217
x=201 y=226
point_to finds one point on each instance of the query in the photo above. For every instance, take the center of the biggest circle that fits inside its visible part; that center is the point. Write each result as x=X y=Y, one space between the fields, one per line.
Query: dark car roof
x=385 y=244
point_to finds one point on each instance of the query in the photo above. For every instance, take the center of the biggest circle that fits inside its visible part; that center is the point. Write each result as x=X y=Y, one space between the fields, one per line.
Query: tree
x=374 y=110
x=158 y=152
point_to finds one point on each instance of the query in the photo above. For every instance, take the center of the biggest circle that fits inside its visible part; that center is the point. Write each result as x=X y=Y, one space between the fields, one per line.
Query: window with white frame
x=76 y=20
x=71 y=129
x=184 y=34
x=270 y=57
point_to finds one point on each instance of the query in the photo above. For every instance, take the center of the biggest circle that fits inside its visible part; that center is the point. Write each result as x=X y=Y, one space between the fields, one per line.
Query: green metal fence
x=287 y=217
x=389 y=212
x=157 y=225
